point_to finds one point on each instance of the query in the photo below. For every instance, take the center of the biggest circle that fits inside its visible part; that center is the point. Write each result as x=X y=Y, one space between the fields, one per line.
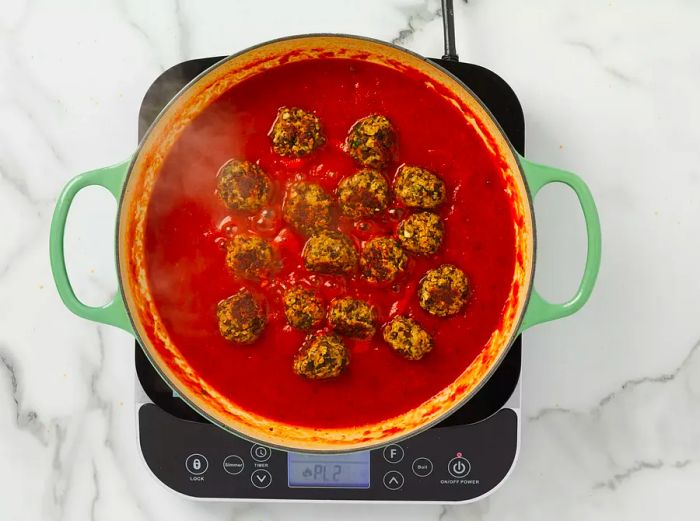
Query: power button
x=459 y=467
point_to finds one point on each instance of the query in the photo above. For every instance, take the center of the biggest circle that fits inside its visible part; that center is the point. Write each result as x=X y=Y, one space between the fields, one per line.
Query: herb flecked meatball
x=241 y=317
x=250 y=257
x=382 y=259
x=421 y=233
x=352 y=317
x=331 y=252
x=308 y=208
x=363 y=194
x=443 y=291
x=417 y=187
x=321 y=357
x=296 y=132
x=303 y=308
x=243 y=185
x=407 y=337
x=371 y=141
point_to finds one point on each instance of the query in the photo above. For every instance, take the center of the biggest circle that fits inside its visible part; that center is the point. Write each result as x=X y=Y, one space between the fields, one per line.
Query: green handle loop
x=114 y=313
x=538 y=309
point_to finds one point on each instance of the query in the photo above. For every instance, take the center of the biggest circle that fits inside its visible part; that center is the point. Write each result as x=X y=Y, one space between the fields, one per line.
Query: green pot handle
x=114 y=313
x=538 y=309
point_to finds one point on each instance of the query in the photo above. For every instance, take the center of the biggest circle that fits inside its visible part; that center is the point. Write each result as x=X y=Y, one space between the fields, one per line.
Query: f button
x=393 y=453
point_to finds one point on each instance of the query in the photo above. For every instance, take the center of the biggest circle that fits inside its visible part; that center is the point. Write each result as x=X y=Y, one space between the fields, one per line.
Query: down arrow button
x=261 y=478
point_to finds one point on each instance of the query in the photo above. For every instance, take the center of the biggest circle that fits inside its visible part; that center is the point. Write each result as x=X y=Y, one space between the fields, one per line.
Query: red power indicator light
x=459 y=454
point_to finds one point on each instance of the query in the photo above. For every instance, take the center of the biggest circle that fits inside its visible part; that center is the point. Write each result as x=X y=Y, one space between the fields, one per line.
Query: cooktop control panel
x=455 y=463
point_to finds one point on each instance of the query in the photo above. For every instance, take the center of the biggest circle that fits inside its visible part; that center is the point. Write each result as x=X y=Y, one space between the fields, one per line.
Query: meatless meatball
x=443 y=291
x=419 y=188
x=321 y=357
x=250 y=257
x=296 y=132
x=243 y=185
x=382 y=259
x=371 y=141
x=352 y=317
x=241 y=317
x=363 y=194
x=308 y=208
x=329 y=251
x=421 y=233
x=408 y=338
x=303 y=308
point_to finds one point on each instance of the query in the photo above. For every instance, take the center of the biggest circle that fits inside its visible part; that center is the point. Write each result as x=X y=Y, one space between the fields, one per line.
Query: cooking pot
x=134 y=311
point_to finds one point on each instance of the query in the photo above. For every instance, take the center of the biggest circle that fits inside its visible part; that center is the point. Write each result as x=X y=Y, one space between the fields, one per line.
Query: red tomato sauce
x=188 y=225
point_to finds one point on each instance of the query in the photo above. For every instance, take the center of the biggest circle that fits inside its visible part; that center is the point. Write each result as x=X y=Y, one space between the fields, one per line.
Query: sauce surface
x=188 y=226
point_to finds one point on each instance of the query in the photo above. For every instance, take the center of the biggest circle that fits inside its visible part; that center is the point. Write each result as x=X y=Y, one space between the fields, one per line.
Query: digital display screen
x=332 y=470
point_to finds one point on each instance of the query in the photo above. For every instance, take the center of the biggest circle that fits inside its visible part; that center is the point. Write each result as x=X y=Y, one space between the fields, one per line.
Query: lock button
x=196 y=464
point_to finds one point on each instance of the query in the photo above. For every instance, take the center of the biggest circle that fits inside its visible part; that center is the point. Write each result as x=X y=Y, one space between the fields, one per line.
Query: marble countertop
x=611 y=395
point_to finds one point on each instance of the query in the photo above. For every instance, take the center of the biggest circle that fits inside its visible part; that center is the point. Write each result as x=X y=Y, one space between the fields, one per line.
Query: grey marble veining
x=611 y=395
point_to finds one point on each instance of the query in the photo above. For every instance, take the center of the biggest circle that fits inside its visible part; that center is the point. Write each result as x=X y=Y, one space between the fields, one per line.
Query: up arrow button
x=393 y=480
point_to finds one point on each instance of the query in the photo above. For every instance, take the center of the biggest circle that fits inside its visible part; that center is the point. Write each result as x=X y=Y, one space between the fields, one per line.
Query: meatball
x=331 y=252
x=417 y=187
x=408 y=338
x=363 y=194
x=443 y=290
x=382 y=259
x=241 y=317
x=296 y=132
x=352 y=317
x=303 y=308
x=421 y=233
x=250 y=257
x=243 y=185
x=321 y=357
x=308 y=208
x=371 y=141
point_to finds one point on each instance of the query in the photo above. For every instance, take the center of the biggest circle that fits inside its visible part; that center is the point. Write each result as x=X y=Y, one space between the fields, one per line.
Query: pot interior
x=149 y=325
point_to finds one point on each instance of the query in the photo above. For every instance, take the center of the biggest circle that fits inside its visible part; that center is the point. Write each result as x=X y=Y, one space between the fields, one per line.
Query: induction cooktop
x=462 y=459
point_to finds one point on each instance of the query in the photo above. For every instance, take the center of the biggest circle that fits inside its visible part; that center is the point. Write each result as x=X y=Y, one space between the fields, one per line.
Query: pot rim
x=409 y=432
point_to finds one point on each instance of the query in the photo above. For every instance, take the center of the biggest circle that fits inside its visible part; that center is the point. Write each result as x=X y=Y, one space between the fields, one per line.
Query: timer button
x=260 y=453
x=393 y=453
x=393 y=480
x=459 y=467
x=261 y=478
x=196 y=464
